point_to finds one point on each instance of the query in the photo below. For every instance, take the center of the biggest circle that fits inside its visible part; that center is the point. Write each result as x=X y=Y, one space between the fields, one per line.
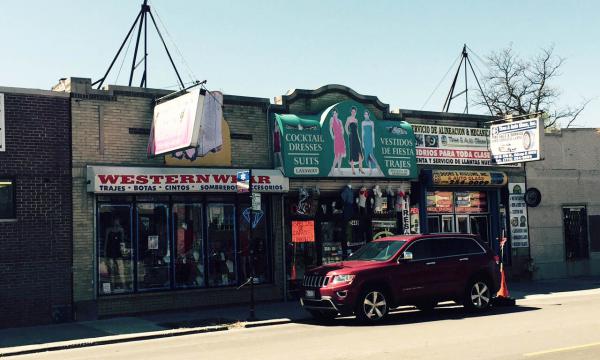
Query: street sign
x=256 y=201
x=243 y=181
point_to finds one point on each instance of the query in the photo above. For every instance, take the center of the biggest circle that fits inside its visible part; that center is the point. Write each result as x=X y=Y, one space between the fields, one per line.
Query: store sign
x=243 y=181
x=303 y=231
x=452 y=145
x=517 y=141
x=123 y=180
x=2 y=125
x=176 y=123
x=345 y=140
x=469 y=178
x=440 y=202
x=519 y=230
x=470 y=202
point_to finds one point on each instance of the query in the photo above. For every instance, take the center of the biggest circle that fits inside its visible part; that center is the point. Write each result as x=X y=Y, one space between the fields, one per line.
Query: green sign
x=345 y=140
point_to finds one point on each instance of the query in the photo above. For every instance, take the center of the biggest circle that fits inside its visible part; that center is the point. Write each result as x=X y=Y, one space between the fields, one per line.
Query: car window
x=444 y=247
x=470 y=246
x=421 y=249
x=377 y=250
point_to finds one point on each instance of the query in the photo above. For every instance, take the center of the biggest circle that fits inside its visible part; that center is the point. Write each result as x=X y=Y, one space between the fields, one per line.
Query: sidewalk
x=25 y=340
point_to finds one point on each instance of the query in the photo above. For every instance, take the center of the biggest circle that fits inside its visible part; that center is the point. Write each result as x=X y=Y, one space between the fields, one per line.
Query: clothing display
x=114 y=238
x=391 y=199
x=339 y=144
x=368 y=143
x=348 y=202
x=378 y=199
x=362 y=197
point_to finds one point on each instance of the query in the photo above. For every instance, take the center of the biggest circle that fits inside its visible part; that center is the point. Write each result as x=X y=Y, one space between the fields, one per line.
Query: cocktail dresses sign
x=345 y=140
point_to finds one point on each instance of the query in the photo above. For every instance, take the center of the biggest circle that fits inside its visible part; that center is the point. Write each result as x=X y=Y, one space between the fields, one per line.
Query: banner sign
x=176 y=123
x=516 y=141
x=440 y=202
x=473 y=178
x=242 y=181
x=345 y=140
x=303 y=231
x=470 y=202
x=2 y=125
x=452 y=145
x=519 y=230
x=123 y=180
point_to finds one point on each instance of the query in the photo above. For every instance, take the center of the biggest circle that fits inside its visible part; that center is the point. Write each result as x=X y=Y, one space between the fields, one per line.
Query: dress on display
x=339 y=144
x=113 y=244
x=368 y=143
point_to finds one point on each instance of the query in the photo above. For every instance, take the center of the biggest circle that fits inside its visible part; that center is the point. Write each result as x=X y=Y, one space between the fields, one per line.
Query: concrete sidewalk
x=25 y=340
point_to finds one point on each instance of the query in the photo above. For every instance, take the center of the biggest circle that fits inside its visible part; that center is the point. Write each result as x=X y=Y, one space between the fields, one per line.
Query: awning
x=343 y=136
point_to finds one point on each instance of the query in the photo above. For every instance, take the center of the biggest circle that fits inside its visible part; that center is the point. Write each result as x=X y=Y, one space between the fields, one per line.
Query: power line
x=440 y=83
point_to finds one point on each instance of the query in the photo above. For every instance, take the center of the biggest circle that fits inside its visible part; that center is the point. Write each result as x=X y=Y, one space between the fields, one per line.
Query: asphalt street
x=545 y=327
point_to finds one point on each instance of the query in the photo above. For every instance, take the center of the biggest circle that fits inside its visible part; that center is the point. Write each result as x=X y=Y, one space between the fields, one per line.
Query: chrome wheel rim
x=374 y=305
x=480 y=295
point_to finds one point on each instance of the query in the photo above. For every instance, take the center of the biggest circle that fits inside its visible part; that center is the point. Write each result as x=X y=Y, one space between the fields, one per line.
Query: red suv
x=419 y=270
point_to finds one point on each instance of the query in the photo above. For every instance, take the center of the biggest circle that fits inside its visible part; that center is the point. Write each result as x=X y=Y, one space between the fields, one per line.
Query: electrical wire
x=190 y=74
x=440 y=83
x=124 y=57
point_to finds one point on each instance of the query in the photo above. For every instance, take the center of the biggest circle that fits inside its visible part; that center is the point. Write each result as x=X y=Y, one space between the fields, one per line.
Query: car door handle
x=430 y=263
x=463 y=259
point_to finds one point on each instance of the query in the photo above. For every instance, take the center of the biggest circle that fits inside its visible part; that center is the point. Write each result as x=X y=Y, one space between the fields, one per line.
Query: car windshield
x=377 y=250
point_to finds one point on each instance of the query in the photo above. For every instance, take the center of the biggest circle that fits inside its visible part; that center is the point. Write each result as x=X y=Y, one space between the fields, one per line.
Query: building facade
x=564 y=227
x=168 y=232
x=35 y=207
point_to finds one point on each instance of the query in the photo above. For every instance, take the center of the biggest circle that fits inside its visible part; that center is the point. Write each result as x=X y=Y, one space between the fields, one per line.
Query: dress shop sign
x=452 y=145
x=123 y=180
x=345 y=140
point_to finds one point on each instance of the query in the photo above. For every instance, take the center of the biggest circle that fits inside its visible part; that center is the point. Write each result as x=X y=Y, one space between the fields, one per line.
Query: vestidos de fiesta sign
x=345 y=140
x=105 y=179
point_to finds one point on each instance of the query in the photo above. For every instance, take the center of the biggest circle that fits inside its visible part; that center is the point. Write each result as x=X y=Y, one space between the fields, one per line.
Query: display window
x=115 y=249
x=148 y=243
x=7 y=199
x=189 y=245
x=221 y=242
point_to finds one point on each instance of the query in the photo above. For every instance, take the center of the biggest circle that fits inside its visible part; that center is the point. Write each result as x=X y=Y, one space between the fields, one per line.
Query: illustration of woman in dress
x=356 y=154
x=336 y=129
x=368 y=141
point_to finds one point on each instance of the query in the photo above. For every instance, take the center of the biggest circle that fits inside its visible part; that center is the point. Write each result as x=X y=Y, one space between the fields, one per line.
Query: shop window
x=115 y=264
x=153 y=257
x=468 y=202
x=189 y=250
x=254 y=253
x=575 y=232
x=440 y=202
x=221 y=245
x=7 y=199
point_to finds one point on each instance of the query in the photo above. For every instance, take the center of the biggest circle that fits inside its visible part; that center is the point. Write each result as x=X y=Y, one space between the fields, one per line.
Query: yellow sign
x=472 y=178
x=222 y=157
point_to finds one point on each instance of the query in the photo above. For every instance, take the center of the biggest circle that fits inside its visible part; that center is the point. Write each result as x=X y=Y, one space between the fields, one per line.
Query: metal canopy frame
x=142 y=21
x=464 y=60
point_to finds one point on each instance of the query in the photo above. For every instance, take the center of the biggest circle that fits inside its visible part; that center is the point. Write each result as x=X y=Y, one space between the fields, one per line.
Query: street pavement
x=548 y=323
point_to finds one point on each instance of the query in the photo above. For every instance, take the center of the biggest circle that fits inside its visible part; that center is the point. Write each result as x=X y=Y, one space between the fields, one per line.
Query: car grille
x=315 y=281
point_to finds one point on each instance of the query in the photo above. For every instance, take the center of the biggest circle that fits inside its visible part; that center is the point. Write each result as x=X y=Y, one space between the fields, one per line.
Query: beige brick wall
x=124 y=108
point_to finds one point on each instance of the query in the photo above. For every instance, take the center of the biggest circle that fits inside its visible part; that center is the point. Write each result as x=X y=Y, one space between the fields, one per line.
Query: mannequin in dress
x=378 y=199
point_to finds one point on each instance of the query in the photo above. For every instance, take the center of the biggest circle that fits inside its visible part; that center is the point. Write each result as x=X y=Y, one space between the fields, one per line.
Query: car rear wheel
x=372 y=306
x=478 y=295
x=322 y=315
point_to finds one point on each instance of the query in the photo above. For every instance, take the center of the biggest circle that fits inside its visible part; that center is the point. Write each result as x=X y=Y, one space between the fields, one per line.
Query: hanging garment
x=348 y=200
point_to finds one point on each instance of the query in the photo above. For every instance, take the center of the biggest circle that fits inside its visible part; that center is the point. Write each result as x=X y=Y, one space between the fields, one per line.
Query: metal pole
x=252 y=316
x=137 y=43
x=101 y=81
x=167 y=50
x=466 y=82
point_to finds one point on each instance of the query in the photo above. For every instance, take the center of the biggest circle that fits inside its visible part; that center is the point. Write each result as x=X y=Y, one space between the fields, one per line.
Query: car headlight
x=339 y=279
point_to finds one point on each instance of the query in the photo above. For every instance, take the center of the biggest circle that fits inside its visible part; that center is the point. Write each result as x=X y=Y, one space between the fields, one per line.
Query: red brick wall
x=36 y=248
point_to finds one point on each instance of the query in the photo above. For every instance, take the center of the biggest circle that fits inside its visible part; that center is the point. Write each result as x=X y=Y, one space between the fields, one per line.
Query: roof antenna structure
x=464 y=59
x=142 y=21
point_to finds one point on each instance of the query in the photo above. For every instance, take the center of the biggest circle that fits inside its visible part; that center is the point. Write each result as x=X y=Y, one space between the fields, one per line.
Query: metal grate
x=315 y=281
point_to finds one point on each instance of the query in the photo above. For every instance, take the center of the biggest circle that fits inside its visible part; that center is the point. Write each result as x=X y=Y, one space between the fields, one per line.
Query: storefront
x=350 y=182
x=163 y=229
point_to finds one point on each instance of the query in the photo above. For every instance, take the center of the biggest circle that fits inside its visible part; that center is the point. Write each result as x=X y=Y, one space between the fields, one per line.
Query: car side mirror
x=407 y=255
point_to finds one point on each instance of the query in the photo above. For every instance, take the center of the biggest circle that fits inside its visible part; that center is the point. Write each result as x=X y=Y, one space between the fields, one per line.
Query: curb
x=107 y=340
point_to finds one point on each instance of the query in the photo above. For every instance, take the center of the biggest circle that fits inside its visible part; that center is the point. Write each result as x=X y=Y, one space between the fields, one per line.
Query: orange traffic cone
x=503 y=292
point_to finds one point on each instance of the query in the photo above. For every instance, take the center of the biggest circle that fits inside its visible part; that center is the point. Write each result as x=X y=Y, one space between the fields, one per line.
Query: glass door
x=221 y=245
x=189 y=250
x=462 y=224
x=153 y=240
x=433 y=224
x=479 y=226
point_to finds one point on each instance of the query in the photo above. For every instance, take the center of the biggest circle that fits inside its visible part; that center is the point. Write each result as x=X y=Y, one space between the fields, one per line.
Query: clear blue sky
x=396 y=50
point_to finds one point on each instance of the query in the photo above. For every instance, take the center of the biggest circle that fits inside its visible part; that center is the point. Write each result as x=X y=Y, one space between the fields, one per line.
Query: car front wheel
x=372 y=306
x=478 y=295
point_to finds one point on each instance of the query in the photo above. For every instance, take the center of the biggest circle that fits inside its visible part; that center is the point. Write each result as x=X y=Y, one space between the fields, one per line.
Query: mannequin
x=390 y=199
x=347 y=200
x=399 y=200
x=378 y=199
x=362 y=197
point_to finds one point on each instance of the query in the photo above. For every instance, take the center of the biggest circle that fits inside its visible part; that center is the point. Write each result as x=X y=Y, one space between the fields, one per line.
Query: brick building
x=155 y=246
x=35 y=207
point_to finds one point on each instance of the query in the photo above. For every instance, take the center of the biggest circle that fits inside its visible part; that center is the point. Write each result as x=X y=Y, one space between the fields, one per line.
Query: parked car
x=419 y=270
